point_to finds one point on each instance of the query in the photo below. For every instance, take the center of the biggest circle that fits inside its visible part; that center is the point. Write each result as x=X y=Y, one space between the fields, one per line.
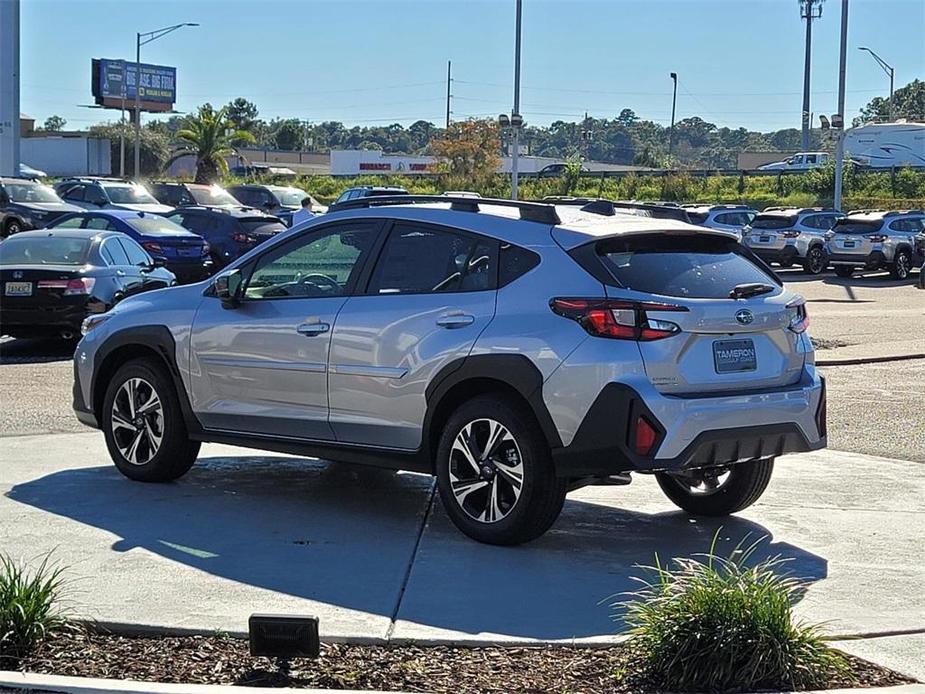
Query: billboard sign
x=114 y=80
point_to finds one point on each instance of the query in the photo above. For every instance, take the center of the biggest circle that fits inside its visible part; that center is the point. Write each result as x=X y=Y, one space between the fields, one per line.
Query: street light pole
x=809 y=10
x=674 y=102
x=888 y=69
x=840 y=141
x=516 y=114
x=140 y=40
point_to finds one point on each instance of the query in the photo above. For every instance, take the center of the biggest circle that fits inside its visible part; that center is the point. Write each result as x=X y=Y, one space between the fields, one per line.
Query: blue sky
x=740 y=62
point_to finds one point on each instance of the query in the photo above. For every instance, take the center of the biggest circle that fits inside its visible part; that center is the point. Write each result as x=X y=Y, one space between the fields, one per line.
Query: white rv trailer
x=886 y=145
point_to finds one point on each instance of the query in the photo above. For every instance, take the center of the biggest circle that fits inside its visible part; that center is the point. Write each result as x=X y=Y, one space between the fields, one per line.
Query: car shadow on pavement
x=345 y=535
x=13 y=351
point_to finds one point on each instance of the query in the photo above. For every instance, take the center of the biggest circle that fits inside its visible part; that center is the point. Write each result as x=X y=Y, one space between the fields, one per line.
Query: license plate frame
x=734 y=356
x=18 y=289
x=848 y=244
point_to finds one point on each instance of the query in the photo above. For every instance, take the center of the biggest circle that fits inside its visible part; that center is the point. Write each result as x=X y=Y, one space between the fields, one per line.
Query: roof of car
x=236 y=212
x=575 y=226
x=118 y=214
x=711 y=207
x=798 y=210
x=17 y=179
x=68 y=234
x=882 y=214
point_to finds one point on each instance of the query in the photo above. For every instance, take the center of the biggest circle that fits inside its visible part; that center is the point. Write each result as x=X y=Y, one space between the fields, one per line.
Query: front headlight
x=94 y=321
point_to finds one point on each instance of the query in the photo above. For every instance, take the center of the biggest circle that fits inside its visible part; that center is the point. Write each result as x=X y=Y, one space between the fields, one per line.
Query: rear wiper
x=749 y=289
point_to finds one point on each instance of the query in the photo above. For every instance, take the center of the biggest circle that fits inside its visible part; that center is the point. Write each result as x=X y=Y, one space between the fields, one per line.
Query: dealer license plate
x=732 y=356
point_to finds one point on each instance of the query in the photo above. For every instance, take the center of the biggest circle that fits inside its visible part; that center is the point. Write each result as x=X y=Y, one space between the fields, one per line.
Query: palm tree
x=211 y=136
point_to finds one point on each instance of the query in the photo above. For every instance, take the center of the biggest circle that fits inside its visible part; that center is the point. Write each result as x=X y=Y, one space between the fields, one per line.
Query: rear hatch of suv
x=708 y=317
x=853 y=237
x=766 y=232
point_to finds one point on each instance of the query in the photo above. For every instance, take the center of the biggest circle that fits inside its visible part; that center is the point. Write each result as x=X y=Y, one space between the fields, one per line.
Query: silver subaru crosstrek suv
x=516 y=351
x=875 y=240
x=791 y=235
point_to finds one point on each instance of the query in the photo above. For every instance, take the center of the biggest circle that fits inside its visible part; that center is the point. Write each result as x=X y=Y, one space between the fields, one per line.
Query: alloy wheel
x=816 y=261
x=704 y=482
x=486 y=470
x=902 y=266
x=137 y=421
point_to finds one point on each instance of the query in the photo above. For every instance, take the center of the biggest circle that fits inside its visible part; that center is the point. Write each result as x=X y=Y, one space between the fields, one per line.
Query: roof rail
x=543 y=213
x=866 y=210
x=893 y=213
x=97 y=178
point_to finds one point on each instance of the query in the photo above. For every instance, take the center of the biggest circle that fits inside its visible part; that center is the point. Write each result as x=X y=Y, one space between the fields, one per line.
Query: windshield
x=129 y=195
x=155 y=225
x=291 y=197
x=701 y=266
x=44 y=251
x=31 y=192
x=773 y=221
x=213 y=195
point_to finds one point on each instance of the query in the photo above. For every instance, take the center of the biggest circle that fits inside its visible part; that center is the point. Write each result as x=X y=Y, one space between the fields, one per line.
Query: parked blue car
x=185 y=254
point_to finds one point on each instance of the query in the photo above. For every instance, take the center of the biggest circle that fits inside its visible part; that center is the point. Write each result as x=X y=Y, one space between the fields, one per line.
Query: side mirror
x=228 y=288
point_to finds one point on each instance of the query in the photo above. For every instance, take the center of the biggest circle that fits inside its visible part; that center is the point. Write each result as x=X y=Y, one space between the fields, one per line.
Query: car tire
x=902 y=265
x=815 y=261
x=843 y=271
x=148 y=446
x=481 y=493
x=694 y=491
x=13 y=226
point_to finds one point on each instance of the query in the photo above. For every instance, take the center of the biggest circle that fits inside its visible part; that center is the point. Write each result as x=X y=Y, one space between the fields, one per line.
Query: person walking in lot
x=305 y=213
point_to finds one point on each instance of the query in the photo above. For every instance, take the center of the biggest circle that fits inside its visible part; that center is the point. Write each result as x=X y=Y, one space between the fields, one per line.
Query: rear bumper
x=870 y=261
x=43 y=321
x=694 y=432
x=787 y=254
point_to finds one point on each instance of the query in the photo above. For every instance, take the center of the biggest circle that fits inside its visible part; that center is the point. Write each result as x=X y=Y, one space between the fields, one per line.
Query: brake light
x=799 y=318
x=153 y=247
x=645 y=436
x=619 y=320
x=877 y=238
x=238 y=237
x=83 y=285
x=790 y=234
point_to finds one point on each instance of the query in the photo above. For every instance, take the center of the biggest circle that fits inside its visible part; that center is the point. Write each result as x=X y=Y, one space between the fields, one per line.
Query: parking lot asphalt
x=375 y=557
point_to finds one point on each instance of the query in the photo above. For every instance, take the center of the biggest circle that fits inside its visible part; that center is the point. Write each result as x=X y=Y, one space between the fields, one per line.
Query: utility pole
x=674 y=102
x=809 y=10
x=449 y=80
x=840 y=134
x=137 y=171
x=516 y=118
x=9 y=88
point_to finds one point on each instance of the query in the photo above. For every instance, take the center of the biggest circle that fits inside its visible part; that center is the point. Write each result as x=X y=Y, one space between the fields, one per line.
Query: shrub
x=713 y=624
x=29 y=603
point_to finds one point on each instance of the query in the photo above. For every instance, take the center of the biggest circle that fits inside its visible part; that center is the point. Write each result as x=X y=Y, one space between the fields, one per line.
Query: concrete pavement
x=375 y=557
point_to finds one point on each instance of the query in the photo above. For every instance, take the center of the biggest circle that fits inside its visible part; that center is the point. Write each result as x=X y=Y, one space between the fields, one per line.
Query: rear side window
x=697 y=267
x=136 y=254
x=423 y=260
x=113 y=253
x=773 y=221
x=737 y=219
x=697 y=217
x=515 y=261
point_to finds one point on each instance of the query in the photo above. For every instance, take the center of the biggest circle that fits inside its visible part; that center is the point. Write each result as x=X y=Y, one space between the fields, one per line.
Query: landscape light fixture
x=142 y=39
x=888 y=69
x=283 y=636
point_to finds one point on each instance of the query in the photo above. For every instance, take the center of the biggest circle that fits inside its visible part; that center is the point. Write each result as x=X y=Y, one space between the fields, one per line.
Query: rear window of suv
x=855 y=226
x=696 y=267
x=773 y=221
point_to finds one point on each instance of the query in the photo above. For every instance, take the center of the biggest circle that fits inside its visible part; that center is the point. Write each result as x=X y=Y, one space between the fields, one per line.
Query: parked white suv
x=732 y=218
x=875 y=240
x=109 y=194
x=789 y=235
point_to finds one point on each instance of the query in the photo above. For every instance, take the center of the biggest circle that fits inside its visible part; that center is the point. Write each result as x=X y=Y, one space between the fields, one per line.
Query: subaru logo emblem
x=745 y=317
x=17 y=275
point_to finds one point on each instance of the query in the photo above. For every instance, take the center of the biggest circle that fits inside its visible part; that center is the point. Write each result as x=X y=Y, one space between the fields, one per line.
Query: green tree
x=289 y=134
x=470 y=149
x=154 y=149
x=211 y=136
x=54 y=124
x=242 y=113
x=908 y=102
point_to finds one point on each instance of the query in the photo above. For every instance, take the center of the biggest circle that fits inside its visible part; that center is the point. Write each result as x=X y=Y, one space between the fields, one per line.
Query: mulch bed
x=224 y=660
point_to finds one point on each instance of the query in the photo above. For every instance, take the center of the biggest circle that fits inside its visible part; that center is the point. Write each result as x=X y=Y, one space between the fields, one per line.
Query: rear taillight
x=243 y=238
x=620 y=320
x=84 y=285
x=790 y=234
x=799 y=318
x=877 y=238
x=153 y=247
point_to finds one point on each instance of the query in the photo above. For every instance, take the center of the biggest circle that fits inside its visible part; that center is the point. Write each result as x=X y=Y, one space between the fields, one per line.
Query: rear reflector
x=645 y=437
x=616 y=319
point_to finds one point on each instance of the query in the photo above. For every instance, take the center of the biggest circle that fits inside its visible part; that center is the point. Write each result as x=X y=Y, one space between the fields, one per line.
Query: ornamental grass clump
x=710 y=624
x=29 y=607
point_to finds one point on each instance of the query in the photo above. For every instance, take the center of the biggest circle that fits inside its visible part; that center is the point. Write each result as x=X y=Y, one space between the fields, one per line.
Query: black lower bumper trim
x=787 y=254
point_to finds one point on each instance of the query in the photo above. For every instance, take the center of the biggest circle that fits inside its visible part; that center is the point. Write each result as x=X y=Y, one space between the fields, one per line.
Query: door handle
x=120 y=273
x=455 y=320
x=309 y=329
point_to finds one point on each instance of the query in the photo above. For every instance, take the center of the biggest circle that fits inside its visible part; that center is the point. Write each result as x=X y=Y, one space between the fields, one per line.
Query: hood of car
x=155 y=208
